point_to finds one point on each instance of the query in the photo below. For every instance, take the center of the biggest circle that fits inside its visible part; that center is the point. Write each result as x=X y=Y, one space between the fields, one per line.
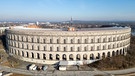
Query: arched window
x=44 y=57
x=78 y=57
x=50 y=56
x=108 y=54
x=71 y=57
x=85 y=57
x=117 y=52
x=120 y=51
x=103 y=55
x=123 y=51
x=64 y=57
x=57 y=57
x=91 y=57
x=27 y=54
x=113 y=53
x=32 y=55
x=98 y=57
x=22 y=53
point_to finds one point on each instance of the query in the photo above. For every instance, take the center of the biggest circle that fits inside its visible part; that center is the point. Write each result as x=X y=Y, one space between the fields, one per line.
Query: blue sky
x=60 y=10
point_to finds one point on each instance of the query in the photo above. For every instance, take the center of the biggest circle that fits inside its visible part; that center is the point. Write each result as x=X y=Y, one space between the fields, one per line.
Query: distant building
x=72 y=46
x=37 y=23
x=2 y=30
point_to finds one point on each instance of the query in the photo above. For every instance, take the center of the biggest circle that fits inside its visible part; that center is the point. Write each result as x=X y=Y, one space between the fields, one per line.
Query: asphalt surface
x=66 y=73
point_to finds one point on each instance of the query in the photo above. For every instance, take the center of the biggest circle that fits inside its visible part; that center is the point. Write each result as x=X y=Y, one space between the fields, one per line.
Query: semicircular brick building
x=50 y=46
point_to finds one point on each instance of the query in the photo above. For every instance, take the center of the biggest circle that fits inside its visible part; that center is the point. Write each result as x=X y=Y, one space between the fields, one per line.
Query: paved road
x=66 y=73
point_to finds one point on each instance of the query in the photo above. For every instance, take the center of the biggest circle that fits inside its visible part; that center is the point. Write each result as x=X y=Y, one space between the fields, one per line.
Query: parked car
x=62 y=68
x=32 y=67
x=39 y=68
x=44 y=67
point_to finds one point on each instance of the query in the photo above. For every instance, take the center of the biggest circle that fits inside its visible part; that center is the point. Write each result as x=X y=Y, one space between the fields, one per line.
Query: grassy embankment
x=118 y=62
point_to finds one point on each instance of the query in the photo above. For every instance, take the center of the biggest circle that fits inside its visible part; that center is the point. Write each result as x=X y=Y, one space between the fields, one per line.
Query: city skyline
x=61 y=10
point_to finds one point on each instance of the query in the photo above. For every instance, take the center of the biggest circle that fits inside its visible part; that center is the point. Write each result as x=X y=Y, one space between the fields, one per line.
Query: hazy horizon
x=63 y=10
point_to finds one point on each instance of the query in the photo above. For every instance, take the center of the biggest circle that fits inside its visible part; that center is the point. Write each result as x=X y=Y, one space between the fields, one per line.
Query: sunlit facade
x=50 y=46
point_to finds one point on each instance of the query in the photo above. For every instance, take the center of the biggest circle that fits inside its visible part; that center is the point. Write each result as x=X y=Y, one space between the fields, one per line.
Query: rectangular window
x=64 y=48
x=64 y=41
x=98 y=48
x=44 y=48
x=85 y=48
x=50 y=48
x=92 y=41
x=38 y=47
x=114 y=39
x=71 y=41
x=78 y=40
x=91 y=48
x=58 y=41
x=57 y=48
x=51 y=41
x=85 y=41
x=98 y=40
x=71 y=48
x=78 y=48
x=103 y=47
x=37 y=40
x=109 y=40
x=104 y=40
x=43 y=40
